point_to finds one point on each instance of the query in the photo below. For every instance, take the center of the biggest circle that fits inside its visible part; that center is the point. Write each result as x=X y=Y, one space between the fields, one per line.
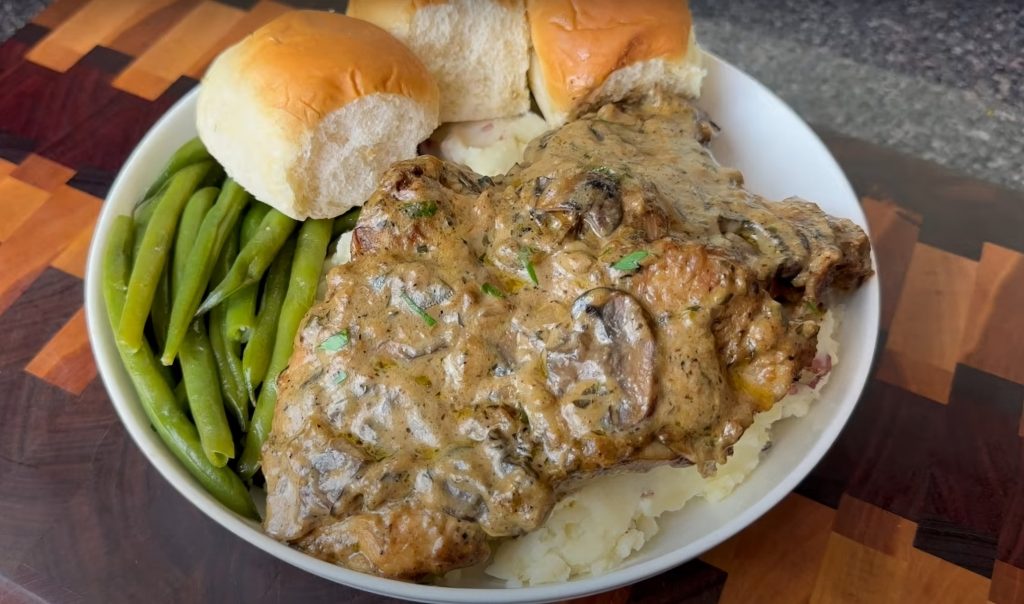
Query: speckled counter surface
x=939 y=79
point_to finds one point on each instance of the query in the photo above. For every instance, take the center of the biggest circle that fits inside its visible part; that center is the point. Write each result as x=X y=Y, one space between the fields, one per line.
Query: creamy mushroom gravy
x=617 y=301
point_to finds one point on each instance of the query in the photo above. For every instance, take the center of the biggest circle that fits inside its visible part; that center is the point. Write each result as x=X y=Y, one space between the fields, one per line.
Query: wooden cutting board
x=920 y=500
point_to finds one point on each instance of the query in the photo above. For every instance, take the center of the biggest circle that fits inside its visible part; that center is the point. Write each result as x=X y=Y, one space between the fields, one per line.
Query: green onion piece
x=490 y=290
x=431 y=321
x=340 y=377
x=814 y=308
x=524 y=258
x=694 y=308
x=420 y=209
x=631 y=261
x=335 y=342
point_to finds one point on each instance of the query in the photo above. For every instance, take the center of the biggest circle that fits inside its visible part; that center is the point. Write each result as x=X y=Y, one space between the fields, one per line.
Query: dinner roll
x=309 y=110
x=477 y=50
x=588 y=52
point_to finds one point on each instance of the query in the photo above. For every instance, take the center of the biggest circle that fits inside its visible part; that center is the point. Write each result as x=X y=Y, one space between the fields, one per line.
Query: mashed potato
x=596 y=528
x=489 y=146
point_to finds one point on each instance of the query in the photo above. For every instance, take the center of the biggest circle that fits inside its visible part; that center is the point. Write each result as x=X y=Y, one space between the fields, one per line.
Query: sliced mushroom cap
x=618 y=321
x=593 y=197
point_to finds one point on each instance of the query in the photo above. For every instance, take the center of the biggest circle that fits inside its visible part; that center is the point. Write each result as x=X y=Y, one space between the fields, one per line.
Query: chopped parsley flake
x=420 y=209
x=525 y=258
x=490 y=290
x=631 y=261
x=335 y=342
x=430 y=321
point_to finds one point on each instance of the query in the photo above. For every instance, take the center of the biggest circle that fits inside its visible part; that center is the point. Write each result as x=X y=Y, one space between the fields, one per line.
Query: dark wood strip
x=959 y=213
x=1011 y=538
x=14 y=148
x=30 y=34
x=973 y=471
x=43 y=105
x=695 y=582
x=883 y=454
x=964 y=547
x=106 y=60
x=35 y=317
x=98 y=147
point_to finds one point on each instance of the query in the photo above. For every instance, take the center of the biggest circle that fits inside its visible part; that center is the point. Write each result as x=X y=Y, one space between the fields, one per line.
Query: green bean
x=188 y=228
x=198 y=366
x=180 y=395
x=254 y=258
x=199 y=369
x=160 y=311
x=346 y=222
x=219 y=222
x=215 y=177
x=241 y=307
x=226 y=353
x=154 y=252
x=155 y=394
x=143 y=214
x=161 y=306
x=256 y=356
x=190 y=153
x=310 y=250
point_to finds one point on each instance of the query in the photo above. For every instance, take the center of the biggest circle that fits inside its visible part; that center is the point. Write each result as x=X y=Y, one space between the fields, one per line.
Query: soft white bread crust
x=477 y=50
x=307 y=111
x=588 y=52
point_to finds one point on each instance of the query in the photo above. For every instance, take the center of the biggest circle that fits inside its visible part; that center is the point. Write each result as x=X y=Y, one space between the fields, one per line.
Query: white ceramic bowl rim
x=158 y=143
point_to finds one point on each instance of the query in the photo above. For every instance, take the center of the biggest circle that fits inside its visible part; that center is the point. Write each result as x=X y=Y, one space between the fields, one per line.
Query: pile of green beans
x=217 y=284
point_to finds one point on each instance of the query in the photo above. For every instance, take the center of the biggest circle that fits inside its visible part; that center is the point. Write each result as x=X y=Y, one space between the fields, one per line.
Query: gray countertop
x=938 y=79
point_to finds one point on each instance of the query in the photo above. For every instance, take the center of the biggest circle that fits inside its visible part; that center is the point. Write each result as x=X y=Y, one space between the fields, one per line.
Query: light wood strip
x=936 y=292
x=919 y=377
x=793 y=536
x=72 y=259
x=874 y=527
x=96 y=23
x=41 y=238
x=178 y=50
x=66 y=361
x=58 y=12
x=135 y=40
x=18 y=200
x=894 y=232
x=1007 y=584
x=260 y=14
x=932 y=579
x=852 y=573
x=994 y=338
x=42 y=173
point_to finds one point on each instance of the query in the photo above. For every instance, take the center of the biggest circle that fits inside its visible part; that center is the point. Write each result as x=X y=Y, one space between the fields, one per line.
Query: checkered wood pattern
x=920 y=500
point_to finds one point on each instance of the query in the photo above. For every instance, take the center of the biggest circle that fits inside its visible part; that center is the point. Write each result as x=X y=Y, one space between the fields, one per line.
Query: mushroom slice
x=619 y=324
x=593 y=197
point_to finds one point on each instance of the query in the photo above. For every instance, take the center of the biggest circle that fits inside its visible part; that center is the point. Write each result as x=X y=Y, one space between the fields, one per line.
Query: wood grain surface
x=920 y=500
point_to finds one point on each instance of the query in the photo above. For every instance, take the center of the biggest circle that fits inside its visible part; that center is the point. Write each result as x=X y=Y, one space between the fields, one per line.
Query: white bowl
x=779 y=155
